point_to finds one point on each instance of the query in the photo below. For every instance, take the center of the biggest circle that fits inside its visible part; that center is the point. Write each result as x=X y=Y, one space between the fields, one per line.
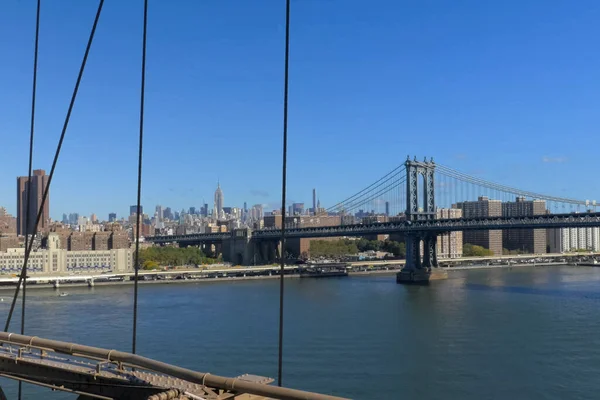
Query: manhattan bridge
x=413 y=192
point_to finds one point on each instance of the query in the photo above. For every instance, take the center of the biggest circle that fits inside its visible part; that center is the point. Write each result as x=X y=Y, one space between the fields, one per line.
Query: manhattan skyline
x=498 y=91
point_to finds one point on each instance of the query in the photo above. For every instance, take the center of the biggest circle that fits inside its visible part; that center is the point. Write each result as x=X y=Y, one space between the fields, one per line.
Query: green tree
x=471 y=250
x=174 y=256
x=150 y=265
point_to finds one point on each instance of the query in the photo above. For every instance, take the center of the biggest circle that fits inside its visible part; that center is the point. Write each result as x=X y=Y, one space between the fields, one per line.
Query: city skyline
x=484 y=111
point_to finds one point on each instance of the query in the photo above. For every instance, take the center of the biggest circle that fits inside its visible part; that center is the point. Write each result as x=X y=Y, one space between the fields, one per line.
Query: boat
x=63 y=294
x=327 y=270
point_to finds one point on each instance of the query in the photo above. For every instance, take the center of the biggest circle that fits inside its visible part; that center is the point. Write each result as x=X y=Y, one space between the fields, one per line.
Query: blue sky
x=505 y=90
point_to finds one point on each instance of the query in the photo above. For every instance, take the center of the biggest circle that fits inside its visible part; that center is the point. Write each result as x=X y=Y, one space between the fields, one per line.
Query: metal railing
x=136 y=361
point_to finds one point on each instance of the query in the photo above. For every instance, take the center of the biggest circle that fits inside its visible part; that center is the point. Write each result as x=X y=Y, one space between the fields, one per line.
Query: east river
x=520 y=333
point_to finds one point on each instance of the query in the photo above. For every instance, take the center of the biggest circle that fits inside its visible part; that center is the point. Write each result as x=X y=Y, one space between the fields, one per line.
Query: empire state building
x=218 y=210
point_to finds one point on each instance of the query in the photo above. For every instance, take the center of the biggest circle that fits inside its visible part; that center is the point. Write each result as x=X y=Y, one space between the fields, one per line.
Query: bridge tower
x=420 y=206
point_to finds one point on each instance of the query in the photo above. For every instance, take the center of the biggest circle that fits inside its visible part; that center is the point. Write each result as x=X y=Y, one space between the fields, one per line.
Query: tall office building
x=133 y=210
x=387 y=208
x=39 y=181
x=314 y=207
x=112 y=217
x=218 y=210
x=297 y=209
x=526 y=240
x=483 y=207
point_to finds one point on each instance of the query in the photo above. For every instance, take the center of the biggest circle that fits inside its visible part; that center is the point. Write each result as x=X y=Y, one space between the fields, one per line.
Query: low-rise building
x=55 y=260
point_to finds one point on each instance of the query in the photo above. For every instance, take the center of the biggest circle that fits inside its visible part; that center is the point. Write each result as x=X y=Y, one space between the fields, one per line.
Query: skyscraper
x=39 y=181
x=133 y=210
x=314 y=208
x=218 y=201
x=112 y=217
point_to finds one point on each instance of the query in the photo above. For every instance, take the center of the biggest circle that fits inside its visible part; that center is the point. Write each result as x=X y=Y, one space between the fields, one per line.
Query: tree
x=174 y=256
x=398 y=249
x=150 y=265
x=471 y=250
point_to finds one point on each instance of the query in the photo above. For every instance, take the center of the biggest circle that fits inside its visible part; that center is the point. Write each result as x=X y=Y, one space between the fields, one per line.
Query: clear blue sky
x=506 y=90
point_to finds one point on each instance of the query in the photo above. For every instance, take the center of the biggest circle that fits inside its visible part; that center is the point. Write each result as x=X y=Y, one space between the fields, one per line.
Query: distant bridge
x=411 y=189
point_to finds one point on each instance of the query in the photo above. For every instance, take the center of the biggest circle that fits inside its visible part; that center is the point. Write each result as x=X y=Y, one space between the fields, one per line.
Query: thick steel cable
x=365 y=189
x=30 y=169
x=283 y=186
x=396 y=180
x=374 y=196
x=464 y=177
x=365 y=193
x=139 y=181
x=54 y=162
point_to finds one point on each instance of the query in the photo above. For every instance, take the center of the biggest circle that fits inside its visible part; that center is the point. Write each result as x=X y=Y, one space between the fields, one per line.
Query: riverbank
x=224 y=279
x=183 y=281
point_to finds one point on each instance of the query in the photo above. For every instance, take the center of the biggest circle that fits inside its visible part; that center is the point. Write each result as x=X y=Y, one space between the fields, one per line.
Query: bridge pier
x=420 y=202
x=421 y=269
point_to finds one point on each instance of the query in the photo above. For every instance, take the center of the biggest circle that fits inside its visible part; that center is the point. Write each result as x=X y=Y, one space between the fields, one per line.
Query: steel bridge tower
x=420 y=206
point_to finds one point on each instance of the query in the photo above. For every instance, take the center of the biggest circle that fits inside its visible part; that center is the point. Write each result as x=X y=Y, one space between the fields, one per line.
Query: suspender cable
x=28 y=208
x=29 y=245
x=139 y=180
x=283 y=186
x=31 y=130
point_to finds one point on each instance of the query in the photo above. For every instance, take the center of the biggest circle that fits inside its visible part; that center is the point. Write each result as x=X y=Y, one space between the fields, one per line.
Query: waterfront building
x=483 y=207
x=56 y=260
x=449 y=244
x=526 y=240
x=571 y=239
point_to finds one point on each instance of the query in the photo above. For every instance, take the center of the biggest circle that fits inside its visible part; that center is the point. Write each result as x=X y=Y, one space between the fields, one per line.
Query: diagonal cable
x=30 y=169
x=139 y=180
x=283 y=186
x=29 y=245
x=395 y=171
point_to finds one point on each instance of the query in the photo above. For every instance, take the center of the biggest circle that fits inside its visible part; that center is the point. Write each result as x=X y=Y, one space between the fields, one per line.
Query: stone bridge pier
x=242 y=249
x=421 y=246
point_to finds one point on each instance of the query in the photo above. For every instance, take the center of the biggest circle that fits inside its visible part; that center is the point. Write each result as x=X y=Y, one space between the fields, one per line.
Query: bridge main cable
x=502 y=188
x=396 y=171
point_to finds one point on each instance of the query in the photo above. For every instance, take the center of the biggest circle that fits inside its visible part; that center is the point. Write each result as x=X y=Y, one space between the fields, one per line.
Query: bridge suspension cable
x=449 y=172
x=139 y=181
x=361 y=202
x=30 y=168
x=396 y=172
x=29 y=245
x=283 y=187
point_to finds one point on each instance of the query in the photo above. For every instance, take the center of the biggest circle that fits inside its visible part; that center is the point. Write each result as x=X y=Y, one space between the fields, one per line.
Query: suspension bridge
x=410 y=198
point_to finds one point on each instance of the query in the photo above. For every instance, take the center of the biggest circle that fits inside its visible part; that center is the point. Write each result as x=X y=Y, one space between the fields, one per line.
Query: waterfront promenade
x=223 y=273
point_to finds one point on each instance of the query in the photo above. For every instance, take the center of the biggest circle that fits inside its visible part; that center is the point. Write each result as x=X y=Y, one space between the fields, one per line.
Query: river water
x=520 y=333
